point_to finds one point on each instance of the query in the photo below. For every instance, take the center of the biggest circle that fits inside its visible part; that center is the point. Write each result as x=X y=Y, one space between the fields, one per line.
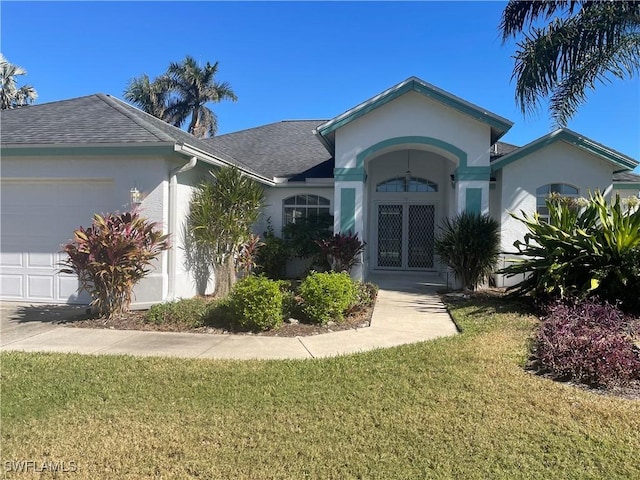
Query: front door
x=405 y=236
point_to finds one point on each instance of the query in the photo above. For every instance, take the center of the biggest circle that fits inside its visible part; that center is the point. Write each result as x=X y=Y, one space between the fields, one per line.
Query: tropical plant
x=342 y=250
x=594 y=250
x=583 y=43
x=150 y=96
x=181 y=94
x=273 y=255
x=10 y=95
x=469 y=244
x=248 y=254
x=194 y=87
x=111 y=256
x=222 y=211
x=303 y=235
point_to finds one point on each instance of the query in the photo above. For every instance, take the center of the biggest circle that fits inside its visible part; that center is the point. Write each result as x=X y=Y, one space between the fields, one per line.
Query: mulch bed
x=135 y=320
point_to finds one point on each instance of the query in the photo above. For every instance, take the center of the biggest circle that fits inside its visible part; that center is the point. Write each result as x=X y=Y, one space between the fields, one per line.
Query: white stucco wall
x=413 y=114
x=555 y=163
x=146 y=173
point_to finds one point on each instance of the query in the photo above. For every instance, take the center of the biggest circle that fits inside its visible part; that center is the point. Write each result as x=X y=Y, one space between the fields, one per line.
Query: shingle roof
x=282 y=149
x=93 y=120
x=499 y=149
x=626 y=177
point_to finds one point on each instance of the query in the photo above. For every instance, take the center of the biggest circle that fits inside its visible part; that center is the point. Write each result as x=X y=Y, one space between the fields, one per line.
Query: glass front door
x=405 y=236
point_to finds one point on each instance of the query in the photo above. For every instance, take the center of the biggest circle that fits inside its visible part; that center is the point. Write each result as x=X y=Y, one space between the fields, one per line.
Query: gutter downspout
x=173 y=221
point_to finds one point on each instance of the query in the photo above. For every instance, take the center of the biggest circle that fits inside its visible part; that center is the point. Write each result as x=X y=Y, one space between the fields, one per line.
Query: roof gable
x=620 y=162
x=499 y=125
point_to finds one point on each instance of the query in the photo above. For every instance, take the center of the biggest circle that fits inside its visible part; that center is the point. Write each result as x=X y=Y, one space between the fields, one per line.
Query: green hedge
x=256 y=303
x=327 y=296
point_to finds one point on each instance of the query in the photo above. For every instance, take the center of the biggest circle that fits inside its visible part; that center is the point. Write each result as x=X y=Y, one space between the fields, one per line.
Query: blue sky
x=309 y=60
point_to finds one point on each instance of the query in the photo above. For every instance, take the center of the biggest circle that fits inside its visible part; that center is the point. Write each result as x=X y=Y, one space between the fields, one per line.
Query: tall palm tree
x=151 y=96
x=583 y=43
x=10 y=95
x=194 y=87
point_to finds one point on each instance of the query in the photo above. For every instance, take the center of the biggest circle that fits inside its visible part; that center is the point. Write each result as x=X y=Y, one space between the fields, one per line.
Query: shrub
x=190 y=312
x=588 y=342
x=272 y=256
x=593 y=250
x=111 y=256
x=327 y=296
x=256 y=303
x=302 y=237
x=470 y=245
x=342 y=250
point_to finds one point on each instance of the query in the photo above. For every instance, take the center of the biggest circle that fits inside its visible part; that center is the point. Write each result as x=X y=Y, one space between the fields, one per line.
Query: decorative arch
x=461 y=155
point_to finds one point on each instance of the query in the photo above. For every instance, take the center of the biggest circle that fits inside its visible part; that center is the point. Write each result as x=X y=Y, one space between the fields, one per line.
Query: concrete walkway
x=407 y=311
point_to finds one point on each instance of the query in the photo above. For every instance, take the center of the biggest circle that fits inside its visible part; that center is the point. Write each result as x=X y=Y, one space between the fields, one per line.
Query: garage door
x=37 y=217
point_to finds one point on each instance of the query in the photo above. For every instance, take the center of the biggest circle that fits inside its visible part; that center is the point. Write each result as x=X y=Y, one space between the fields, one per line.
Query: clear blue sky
x=310 y=60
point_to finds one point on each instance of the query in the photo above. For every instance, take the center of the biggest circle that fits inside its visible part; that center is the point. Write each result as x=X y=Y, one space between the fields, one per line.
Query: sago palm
x=583 y=43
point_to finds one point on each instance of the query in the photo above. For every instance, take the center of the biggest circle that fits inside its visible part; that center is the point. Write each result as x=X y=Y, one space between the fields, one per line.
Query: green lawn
x=460 y=407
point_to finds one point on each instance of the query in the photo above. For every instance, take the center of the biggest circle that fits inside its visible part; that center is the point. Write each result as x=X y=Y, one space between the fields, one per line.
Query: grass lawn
x=460 y=407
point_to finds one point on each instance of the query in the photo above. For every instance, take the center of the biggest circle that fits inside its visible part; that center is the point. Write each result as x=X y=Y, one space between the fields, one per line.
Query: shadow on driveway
x=53 y=314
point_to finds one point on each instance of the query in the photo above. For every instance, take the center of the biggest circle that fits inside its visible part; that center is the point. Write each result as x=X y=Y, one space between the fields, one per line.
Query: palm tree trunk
x=225 y=277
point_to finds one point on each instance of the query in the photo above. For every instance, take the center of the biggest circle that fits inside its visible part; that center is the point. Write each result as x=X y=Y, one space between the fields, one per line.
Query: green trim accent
x=473 y=173
x=502 y=125
x=349 y=174
x=473 y=200
x=347 y=210
x=461 y=155
x=571 y=138
x=626 y=186
x=67 y=151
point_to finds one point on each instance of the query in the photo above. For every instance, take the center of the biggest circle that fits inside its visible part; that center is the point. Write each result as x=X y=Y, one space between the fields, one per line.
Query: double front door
x=405 y=236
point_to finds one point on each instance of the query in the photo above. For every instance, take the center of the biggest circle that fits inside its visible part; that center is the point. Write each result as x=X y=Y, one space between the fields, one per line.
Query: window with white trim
x=542 y=193
x=407 y=184
x=304 y=206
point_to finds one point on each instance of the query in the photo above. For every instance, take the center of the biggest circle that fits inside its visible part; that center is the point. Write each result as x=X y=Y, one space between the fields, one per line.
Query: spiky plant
x=469 y=244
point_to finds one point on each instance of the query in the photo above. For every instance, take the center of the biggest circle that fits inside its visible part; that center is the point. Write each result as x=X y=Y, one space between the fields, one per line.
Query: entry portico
x=404 y=160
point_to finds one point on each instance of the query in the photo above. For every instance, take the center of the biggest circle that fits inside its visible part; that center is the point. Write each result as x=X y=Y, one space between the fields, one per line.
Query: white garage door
x=37 y=217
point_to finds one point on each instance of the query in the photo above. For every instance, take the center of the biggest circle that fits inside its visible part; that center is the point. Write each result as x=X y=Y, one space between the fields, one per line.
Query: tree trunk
x=225 y=277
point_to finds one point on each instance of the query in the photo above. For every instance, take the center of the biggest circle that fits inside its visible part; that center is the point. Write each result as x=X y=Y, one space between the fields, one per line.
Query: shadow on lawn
x=489 y=302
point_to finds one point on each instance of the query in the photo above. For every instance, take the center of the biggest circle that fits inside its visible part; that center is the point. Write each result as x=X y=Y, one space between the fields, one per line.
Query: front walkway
x=407 y=311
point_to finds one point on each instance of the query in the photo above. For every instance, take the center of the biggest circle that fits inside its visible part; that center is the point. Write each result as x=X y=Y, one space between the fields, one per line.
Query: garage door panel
x=38 y=218
x=40 y=287
x=11 y=286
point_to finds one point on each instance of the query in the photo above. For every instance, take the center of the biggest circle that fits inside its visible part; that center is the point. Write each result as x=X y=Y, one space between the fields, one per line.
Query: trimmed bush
x=256 y=303
x=191 y=312
x=327 y=296
x=588 y=342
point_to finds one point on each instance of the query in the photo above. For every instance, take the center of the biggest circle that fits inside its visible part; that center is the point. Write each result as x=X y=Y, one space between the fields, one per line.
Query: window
x=304 y=206
x=543 y=192
x=402 y=184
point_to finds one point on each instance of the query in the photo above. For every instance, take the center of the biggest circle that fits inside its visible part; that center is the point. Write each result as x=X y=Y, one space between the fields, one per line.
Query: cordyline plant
x=111 y=256
x=342 y=250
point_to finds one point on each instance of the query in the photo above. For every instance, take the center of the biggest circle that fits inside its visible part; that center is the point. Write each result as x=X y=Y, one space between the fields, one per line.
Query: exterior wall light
x=136 y=196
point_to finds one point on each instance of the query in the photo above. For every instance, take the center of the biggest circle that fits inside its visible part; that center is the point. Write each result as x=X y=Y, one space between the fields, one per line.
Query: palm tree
x=10 y=95
x=222 y=212
x=194 y=87
x=151 y=96
x=583 y=43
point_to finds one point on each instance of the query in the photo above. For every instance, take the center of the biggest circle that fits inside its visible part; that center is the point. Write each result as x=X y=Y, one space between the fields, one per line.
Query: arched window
x=404 y=184
x=304 y=206
x=543 y=192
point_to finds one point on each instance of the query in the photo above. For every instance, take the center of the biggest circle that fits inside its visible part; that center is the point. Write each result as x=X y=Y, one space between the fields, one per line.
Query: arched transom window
x=543 y=192
x=304 y=206
x=407 y=184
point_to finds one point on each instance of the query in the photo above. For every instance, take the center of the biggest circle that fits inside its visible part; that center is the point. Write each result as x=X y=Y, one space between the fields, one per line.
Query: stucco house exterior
x=389 y=169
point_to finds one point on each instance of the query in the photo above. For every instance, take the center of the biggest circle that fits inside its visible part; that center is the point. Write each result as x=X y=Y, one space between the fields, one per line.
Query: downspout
x=173 y=222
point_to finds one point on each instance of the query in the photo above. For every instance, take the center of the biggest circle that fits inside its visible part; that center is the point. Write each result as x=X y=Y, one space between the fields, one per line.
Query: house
x=389 y=169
